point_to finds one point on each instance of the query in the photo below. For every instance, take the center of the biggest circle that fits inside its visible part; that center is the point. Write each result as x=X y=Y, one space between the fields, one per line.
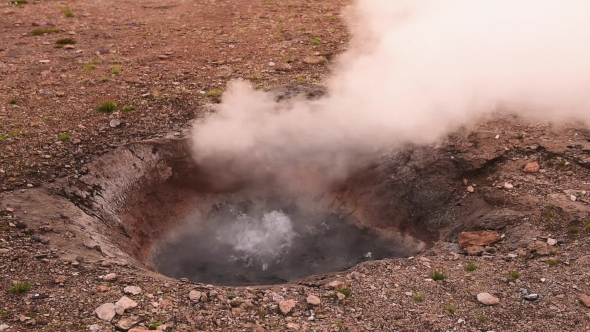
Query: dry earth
x=173 y=58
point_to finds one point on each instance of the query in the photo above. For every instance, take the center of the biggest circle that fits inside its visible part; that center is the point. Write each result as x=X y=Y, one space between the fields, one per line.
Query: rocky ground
x=527 y=272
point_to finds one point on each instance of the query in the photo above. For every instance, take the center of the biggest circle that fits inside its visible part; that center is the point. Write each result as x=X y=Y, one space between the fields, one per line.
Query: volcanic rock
x=487 y=299
x=481 y=238
x=532 y=167
x=286 y=307
x=313 y=300
x=106 y=311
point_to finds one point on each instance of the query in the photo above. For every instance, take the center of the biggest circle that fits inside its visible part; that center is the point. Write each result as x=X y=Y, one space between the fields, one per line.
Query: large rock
x=123 y=304
x=106 y=312
x=286 y=307
x=133 y=290
x=487 y=299
x=481 y=238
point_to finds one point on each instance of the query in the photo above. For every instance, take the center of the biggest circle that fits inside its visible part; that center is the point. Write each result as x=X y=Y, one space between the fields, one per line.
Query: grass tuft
x=13 y=101
x=63 y=137
x=553 y=262
x=345 y=291
x=418 y=298
x=128 y=108
x=41 y=32
x=471 y=266
x=450 y=309
x=67 y=12
x=65 y=41
x=514 y=275
x=20 y=287
x=106 y=107
x=574 y=230
x=437 y=276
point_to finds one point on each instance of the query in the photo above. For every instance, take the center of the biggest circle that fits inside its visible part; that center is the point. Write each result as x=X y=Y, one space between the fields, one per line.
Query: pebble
x=110 y=277
x=532 y=167
x=313 y=300
x=340 y=296
x=508 y=186
x=314 y=60
x=532 y=297
x=470 y=189
x=94 y=328
x=106 y=312
x=4 y=327
x=487 y=299
x=293 y=326
x=335 y=284
x=133 y=290
x=573 y=198
x=195 y=296
x=551 y=241
x=115 y=123
x=123 y=304
x=584 y=299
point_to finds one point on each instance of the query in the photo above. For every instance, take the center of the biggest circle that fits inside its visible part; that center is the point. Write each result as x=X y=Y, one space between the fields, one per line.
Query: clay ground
x=164 y=60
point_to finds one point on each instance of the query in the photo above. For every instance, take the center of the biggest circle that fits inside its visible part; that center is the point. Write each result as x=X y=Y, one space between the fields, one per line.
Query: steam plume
x=416 y=70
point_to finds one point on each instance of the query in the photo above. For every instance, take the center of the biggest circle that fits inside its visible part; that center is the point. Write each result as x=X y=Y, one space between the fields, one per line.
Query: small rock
x=139 y=330
x=44 y=61
x=163 y=57
x=123 y=304
x=584 y=299
x=69 y=47
x=110 y=277
x=532 y=297
x=293 y=326
x=94 y=328
x=133 y=290
x=470 y=189
x=335 y=284
x=487 y=299
x=508 y=186
x=573 y=198
x=340 y=296
x=314 y=60
x=532 y=167
x=4 y=327
x=474 y=250
x=283 y=67
x=286 y=307
x=195 y=296
x=272 y=64
x=115 y=123
x=551 y=242
x=106 y=312
x=126 y=323
x=313 y=300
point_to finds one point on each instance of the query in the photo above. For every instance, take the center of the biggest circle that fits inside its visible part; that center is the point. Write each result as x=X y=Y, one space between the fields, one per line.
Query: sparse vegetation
x=105 y=79
x=437 y=276
x=89 y=66
x=20 y=288
x=64 y=41
x=481 y=319
x=520 y=136
x=213 y=93
x=587 y=227
x=554 y=252
x=106 y=107
x=553 y=262
x=315 y=41
x=471 y=266
x=63 y=137
x=261 y=313
x=514 y=275
x=573 y=229
x=550 y=212
x=155 y=324
x=418 y=298
x=13 y=101
x=234 y=304
x=450 y=309
x=128 y=108
x=345 y=291
x=2 y=137
x=116 y=70
x=67 y=12
x=41 y=32
x=562 y=163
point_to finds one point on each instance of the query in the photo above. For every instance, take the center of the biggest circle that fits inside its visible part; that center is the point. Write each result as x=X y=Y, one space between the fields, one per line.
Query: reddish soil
x=163 y=59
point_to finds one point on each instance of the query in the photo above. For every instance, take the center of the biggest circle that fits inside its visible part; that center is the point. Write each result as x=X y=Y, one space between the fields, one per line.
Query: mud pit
x=150 y=204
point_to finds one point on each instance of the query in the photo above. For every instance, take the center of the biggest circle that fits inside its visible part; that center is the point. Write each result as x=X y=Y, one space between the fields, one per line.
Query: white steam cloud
x=416 y=70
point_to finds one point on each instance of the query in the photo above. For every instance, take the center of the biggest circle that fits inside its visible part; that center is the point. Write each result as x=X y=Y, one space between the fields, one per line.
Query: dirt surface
x=64 y=265
x=164 y=60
